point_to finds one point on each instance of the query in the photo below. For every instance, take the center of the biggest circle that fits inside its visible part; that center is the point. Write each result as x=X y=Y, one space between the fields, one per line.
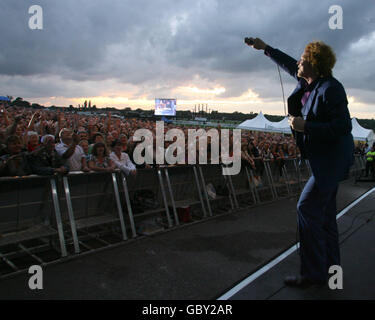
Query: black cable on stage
x=355 y=218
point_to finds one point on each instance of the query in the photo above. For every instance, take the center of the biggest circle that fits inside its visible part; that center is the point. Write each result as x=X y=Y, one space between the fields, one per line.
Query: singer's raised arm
x=286 y=62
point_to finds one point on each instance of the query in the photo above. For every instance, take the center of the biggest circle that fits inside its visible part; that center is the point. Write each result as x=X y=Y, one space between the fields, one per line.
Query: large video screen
x=165 y=107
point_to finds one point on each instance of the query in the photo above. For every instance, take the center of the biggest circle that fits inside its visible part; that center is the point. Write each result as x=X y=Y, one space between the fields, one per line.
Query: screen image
x=165 y=107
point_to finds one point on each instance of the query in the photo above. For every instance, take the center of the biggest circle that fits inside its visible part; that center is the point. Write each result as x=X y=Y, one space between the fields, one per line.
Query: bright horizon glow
x=240 y=104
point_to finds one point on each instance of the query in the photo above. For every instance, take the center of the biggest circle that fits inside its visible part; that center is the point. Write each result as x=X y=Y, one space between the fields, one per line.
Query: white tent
x=362 y=134
x=260 y=123
x=282 y=126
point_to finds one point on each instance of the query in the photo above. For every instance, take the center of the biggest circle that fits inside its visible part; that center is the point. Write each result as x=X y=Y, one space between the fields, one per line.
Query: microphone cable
x=282 y=88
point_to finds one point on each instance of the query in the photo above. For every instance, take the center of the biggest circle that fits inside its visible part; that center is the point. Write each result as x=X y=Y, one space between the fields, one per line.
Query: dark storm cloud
x=158 y=45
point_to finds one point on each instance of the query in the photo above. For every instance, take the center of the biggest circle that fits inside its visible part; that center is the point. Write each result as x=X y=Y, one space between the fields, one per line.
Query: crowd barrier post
x=291 y=178
x=251 y=185
x=128 y=204
x=255 y=189
x=56 y=205
x=71 y=215
x=228 y=180
x=199 y=191
x=205 y=190
x=177 y=221
x=230 y=193
x=269 y=178
x=299 y=175
x=286 y=177
x=164 y=197
x=119 y=207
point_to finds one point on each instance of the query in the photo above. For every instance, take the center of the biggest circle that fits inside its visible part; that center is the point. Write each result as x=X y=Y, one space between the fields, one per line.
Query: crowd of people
x=45 y=142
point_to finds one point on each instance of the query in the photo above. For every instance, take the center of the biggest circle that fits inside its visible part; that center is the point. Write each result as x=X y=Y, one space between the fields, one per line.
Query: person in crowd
x=32 y=141
x=124 y=142
x=246 y=159
x=69 y=149
x=121 y=159
x=370 y=161
x=285 y=149
x=46 y=160
x=279 y=159
x=367 y=148
x=25 y=120
x=82 y=135
x=97 y=137
x=84 y=144
x=292 y=153
x=109 y=140
x=14 y=162
x=99 y=159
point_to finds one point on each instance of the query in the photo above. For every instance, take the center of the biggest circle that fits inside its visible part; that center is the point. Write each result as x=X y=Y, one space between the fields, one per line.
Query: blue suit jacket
x=327 y=141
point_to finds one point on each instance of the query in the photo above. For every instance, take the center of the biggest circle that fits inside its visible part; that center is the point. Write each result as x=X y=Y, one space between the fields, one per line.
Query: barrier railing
x=147 y=199
x=50 y=218
x=101 y=207
x=185 y=191
x=217 y=191
x=30 y=220
x=358 y=170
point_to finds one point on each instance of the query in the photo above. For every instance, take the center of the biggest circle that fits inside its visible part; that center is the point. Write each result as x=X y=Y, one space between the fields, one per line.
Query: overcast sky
x=127 y=53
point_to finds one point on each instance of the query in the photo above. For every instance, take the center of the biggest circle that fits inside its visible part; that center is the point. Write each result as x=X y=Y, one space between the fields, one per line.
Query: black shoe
x=301 y=282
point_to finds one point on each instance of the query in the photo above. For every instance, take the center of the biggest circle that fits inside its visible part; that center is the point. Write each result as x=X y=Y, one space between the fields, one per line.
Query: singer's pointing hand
x=258 y=44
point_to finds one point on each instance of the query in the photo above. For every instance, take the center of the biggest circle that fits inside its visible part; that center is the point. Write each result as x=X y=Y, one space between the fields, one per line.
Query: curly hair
x=97 y=145
x=321 y=57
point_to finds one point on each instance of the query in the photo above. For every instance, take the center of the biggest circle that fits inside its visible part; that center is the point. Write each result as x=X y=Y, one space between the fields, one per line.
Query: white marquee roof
x=260 y=123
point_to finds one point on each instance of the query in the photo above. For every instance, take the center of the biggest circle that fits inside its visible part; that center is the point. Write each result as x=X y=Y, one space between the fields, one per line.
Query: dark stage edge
x=204 y=260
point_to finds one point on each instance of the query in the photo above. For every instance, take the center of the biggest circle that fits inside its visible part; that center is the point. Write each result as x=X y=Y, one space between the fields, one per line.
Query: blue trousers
x=319 y=243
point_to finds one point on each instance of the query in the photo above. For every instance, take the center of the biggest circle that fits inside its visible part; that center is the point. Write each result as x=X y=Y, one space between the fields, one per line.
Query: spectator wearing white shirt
x=69 y=150
x=121 y=159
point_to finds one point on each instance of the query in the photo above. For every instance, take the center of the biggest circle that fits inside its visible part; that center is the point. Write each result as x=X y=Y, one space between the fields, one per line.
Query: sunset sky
x=127 y=53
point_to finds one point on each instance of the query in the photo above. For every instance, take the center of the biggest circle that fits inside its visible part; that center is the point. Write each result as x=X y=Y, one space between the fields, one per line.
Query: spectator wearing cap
x=121 y=159
x=46 y=160
x=69 y=150
x=14 y=162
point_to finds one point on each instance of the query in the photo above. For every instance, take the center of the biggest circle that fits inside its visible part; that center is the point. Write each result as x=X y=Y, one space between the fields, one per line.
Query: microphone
x=249 y=41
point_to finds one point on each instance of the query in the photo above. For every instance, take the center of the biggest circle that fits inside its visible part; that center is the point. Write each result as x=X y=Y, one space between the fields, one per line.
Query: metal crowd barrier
x=92 y=202
x=222 y=194
x=184 y=190
x=50 y=218
x=359 y=168
x=30 y=222
x=270 y=180
x=146 y=195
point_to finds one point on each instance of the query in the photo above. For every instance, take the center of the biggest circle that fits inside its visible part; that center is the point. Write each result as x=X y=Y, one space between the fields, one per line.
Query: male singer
x=321 y=124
